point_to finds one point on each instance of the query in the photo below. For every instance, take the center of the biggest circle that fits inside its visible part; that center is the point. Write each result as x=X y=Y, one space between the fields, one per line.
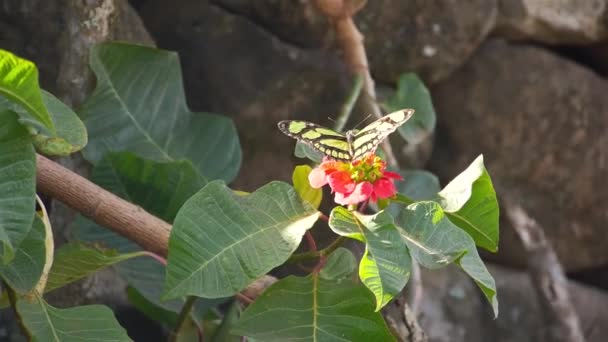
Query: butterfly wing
x=368 y=139
x=322 y=139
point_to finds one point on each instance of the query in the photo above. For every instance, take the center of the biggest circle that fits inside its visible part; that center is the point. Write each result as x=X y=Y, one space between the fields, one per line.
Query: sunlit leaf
x=470 y=202
x=302 y=186
x=19 y=83
x=386 y=264
x=434 y=241
x=221 y=242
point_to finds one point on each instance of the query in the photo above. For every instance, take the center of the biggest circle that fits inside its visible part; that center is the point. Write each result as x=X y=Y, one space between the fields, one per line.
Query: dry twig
x=547 y=276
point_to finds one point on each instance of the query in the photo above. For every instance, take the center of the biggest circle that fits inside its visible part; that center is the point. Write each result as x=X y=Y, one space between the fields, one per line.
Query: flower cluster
x=356 y=182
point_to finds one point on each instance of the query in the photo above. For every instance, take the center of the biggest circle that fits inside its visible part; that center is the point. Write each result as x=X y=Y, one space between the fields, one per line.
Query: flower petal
x=384 y=188
x=392 y=175
x=361 y=193
x=317 y=178
x=340 y=181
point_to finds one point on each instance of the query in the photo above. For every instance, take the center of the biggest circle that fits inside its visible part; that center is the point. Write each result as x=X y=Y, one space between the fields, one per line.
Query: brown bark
x=547 y=276
x=103 y=207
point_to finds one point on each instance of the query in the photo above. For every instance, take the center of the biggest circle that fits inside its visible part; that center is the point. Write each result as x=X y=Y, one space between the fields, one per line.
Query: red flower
x=356 y=182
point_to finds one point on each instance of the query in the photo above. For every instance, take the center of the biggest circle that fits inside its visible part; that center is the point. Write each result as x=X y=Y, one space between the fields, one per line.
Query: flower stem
x=311 y=242
x=184 y=315
x=347 y=107
x=317 y=254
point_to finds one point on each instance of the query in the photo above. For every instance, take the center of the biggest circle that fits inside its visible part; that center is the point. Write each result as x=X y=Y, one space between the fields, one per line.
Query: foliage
x=147 y=147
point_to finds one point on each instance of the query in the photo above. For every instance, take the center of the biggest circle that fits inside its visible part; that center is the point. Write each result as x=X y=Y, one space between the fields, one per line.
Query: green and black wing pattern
x=350 y=146
x=368 y=139
x=327 y=141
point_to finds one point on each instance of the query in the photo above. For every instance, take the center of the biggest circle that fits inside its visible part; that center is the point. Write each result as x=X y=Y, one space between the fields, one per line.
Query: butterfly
x=349 y=146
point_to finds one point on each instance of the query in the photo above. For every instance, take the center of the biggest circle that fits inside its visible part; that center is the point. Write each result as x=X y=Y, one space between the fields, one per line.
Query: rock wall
x=522 y=81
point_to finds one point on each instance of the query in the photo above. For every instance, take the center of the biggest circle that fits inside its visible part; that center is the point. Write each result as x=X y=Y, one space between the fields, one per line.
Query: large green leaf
x=341 y=264
x=412 y=93
x=75 y=261
x=434 y=242
x=386 y=264
x=19 y=83
x=302 y=186
x=24 y=271
x=17 y=184
x=79 y=324
x=139 y=106
x=313 y=309
x=160 y=188
x=57 y=129
x=71 y=133
x=470 y=202
x=221 y=241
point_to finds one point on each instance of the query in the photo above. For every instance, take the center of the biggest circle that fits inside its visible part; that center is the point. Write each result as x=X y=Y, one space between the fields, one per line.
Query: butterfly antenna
x=331 y=119
x=362 y=121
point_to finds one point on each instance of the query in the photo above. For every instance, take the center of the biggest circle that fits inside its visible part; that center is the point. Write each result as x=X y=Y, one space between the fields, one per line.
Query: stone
x=541 y=123
x=553 y=22
x=430 y=38
x=236 y=68
x=454 y=310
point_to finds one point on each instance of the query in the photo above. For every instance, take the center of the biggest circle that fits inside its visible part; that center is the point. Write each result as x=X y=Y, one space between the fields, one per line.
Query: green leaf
x=75 y=261
x=386 y=264
x=302 y=186
x=470 y=202
x=71 y=133
x=83 y=323
x=25 y=270
x=419 y=185
x=17 y=183
x=151 y=310
x=139 y=106
x=313 y=309
x=306 y=152
x=223 y=334
x=221 y=241
x=161 y=189
x=434 y=241
x=340 y=264
x=19 y=83
x=412 y=93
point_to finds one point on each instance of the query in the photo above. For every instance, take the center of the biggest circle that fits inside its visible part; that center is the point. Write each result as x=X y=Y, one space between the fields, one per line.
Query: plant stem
x=317 y=254
x=311 y=242
x=347 y=107
x=183 y=317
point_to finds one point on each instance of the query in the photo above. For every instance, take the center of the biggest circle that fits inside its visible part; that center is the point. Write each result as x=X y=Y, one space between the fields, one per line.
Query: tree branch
x=102 y=206
x=547 y=276
x=350 y=41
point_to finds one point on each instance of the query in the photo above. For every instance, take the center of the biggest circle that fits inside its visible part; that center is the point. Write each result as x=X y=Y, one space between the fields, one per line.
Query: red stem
x=311 y=241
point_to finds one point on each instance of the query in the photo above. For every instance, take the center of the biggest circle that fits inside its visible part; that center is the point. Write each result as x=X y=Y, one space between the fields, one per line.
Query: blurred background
x=521 y=81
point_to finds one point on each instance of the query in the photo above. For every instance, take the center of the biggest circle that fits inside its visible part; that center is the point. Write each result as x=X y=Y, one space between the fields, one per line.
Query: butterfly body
x=349 y=146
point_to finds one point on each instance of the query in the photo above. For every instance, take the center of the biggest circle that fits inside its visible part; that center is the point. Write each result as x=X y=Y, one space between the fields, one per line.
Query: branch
x=547 y=276
x=102 y=206
x=350 y=41
x=111 y=211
